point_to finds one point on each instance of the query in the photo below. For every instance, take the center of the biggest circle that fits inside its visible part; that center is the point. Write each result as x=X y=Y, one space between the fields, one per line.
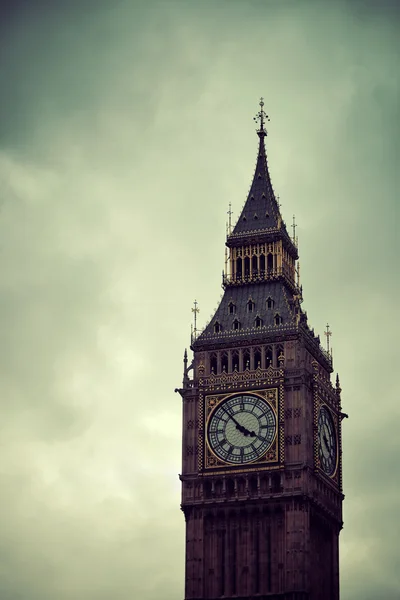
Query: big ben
x=262 y=448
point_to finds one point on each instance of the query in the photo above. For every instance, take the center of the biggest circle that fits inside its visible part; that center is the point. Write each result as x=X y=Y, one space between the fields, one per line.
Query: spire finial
x=294 y=225
x=328 y=334
x=261 y=116
x=230 y=213
x=195 y=310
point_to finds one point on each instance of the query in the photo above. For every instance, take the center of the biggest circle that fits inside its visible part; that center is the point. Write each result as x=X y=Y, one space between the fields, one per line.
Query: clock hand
x=239 y=427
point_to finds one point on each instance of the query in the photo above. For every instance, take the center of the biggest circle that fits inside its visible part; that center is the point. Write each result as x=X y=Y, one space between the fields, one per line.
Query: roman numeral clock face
x=327 y=447
x=241 y=429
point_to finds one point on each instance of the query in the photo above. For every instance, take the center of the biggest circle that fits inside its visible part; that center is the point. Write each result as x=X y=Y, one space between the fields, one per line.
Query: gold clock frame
x=210 y=461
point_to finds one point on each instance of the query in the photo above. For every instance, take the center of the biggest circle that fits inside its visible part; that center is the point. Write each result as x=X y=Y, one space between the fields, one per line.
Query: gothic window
x=232 y=308
x=241 y=487
x=270 y=303
x=217 y=327
x=253 y=485
x=278 y=319
x=250 y=305
x=247 y=266
x=276 y=482
x=255 y=216
x=270 y=262
x=207 y=489
x=236 y=324
x=224 y=362
x=213 y=363
x=257 y=358
x=244 y=219
x=218 y=488
x=262 y=264
x=268 y=356
x=246 y=359
x=239 y=268
x=258 y=322
x=267 y=215
x=230 y=488
x=254 y=265
x=235 y=360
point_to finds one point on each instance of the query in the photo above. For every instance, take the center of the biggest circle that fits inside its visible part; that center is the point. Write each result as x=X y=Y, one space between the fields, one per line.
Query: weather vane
x=328 y=334
x=261 y=116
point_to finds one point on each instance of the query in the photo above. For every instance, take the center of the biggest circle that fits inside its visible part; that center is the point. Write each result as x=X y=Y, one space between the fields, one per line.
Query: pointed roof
x=261 y=211
x=239 y=297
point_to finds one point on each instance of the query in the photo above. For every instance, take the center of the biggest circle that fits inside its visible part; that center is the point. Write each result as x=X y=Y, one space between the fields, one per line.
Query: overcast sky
x=126 y=128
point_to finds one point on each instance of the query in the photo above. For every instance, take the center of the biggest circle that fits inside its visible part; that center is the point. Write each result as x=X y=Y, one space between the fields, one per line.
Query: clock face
x=326 y=441
x=241 y=429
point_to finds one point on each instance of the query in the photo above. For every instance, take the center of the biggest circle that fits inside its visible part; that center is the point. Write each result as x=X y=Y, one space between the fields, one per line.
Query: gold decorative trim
x=208 y=460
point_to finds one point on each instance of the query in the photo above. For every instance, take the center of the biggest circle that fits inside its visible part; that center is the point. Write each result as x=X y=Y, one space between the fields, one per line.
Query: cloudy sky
x=125 y=130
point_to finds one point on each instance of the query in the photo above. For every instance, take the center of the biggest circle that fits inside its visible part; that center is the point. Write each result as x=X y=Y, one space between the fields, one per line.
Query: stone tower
x=261 y=461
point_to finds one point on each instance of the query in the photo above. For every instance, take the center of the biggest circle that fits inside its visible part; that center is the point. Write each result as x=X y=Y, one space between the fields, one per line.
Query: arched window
x=258 y=321
x=224 y=362
x=253 y=485
x=218 y=488
x=207 y=489
x=235 y=360
x=241 y=486
x=270 y=303
x=230 y=487
x=268 y=356
x=257 y=358
x=247 y=266
x=254 y=265
x=246 y=359
x=236 y=324
x=217 y=327
x=278 y=319
x=262 y=265
x=213 y=363
x=238 y=268
x=232 y=308
x=270 y=262
x=276 y=482
x=250 y=305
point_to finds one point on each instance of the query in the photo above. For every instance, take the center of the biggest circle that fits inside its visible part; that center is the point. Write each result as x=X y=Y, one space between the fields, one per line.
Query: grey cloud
x=126 y=132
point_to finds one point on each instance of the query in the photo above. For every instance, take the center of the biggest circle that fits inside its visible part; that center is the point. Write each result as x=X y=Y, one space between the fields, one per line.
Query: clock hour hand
x=240 y=427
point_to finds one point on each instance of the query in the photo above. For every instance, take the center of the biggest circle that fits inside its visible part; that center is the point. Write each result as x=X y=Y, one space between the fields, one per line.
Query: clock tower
x=261 y=455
